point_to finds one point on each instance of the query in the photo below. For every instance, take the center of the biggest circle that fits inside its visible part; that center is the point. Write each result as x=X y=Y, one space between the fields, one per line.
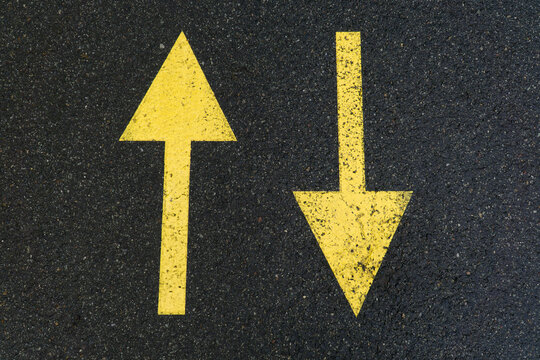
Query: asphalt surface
x=451 y=112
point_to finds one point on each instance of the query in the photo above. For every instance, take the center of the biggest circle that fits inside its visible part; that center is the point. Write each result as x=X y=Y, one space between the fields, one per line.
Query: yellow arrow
x=353 y=226
x=179 y=107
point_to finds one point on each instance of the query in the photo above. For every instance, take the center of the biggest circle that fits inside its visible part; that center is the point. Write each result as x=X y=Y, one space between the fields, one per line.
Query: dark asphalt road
x=451 y=112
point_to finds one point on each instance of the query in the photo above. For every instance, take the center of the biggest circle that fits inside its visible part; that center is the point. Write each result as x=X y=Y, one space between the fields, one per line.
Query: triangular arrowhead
x=179 y=105
x=354 y=232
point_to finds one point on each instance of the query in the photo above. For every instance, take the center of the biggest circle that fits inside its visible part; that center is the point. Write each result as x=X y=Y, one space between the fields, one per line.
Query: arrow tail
x=174 y=231
x=350 y=116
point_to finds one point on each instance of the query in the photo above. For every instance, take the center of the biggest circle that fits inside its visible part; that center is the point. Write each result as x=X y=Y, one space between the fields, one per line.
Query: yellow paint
x=353 y=226
x=350 y=118
x=179 y=107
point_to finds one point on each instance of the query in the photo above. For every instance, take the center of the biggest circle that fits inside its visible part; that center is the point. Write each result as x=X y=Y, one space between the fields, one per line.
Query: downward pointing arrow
x=353 y=226
x=179 y=107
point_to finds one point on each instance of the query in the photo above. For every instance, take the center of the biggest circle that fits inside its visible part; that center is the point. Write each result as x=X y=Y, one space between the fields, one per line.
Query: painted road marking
x=353 y=226
x=179 y=107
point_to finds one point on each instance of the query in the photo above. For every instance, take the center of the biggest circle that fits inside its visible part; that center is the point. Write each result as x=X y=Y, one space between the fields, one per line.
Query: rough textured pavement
x=451 y=112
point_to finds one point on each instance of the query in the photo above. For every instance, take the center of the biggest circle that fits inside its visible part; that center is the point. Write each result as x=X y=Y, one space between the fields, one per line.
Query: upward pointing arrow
x=179 y=107
x=353 y=226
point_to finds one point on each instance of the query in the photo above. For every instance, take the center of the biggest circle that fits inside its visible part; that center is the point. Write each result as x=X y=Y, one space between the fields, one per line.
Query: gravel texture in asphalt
x=451 y=112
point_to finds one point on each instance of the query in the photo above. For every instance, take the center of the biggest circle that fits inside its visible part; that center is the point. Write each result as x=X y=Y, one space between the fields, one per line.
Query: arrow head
x=179 y=106
x=354 y=231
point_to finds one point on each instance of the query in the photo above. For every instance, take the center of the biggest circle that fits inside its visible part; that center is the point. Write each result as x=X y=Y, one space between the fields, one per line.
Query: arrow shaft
x=350 y=118
x=174 y=230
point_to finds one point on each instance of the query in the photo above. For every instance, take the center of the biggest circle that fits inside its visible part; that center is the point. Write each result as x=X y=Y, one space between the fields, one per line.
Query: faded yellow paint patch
x=353 y=226
x=179 y=107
